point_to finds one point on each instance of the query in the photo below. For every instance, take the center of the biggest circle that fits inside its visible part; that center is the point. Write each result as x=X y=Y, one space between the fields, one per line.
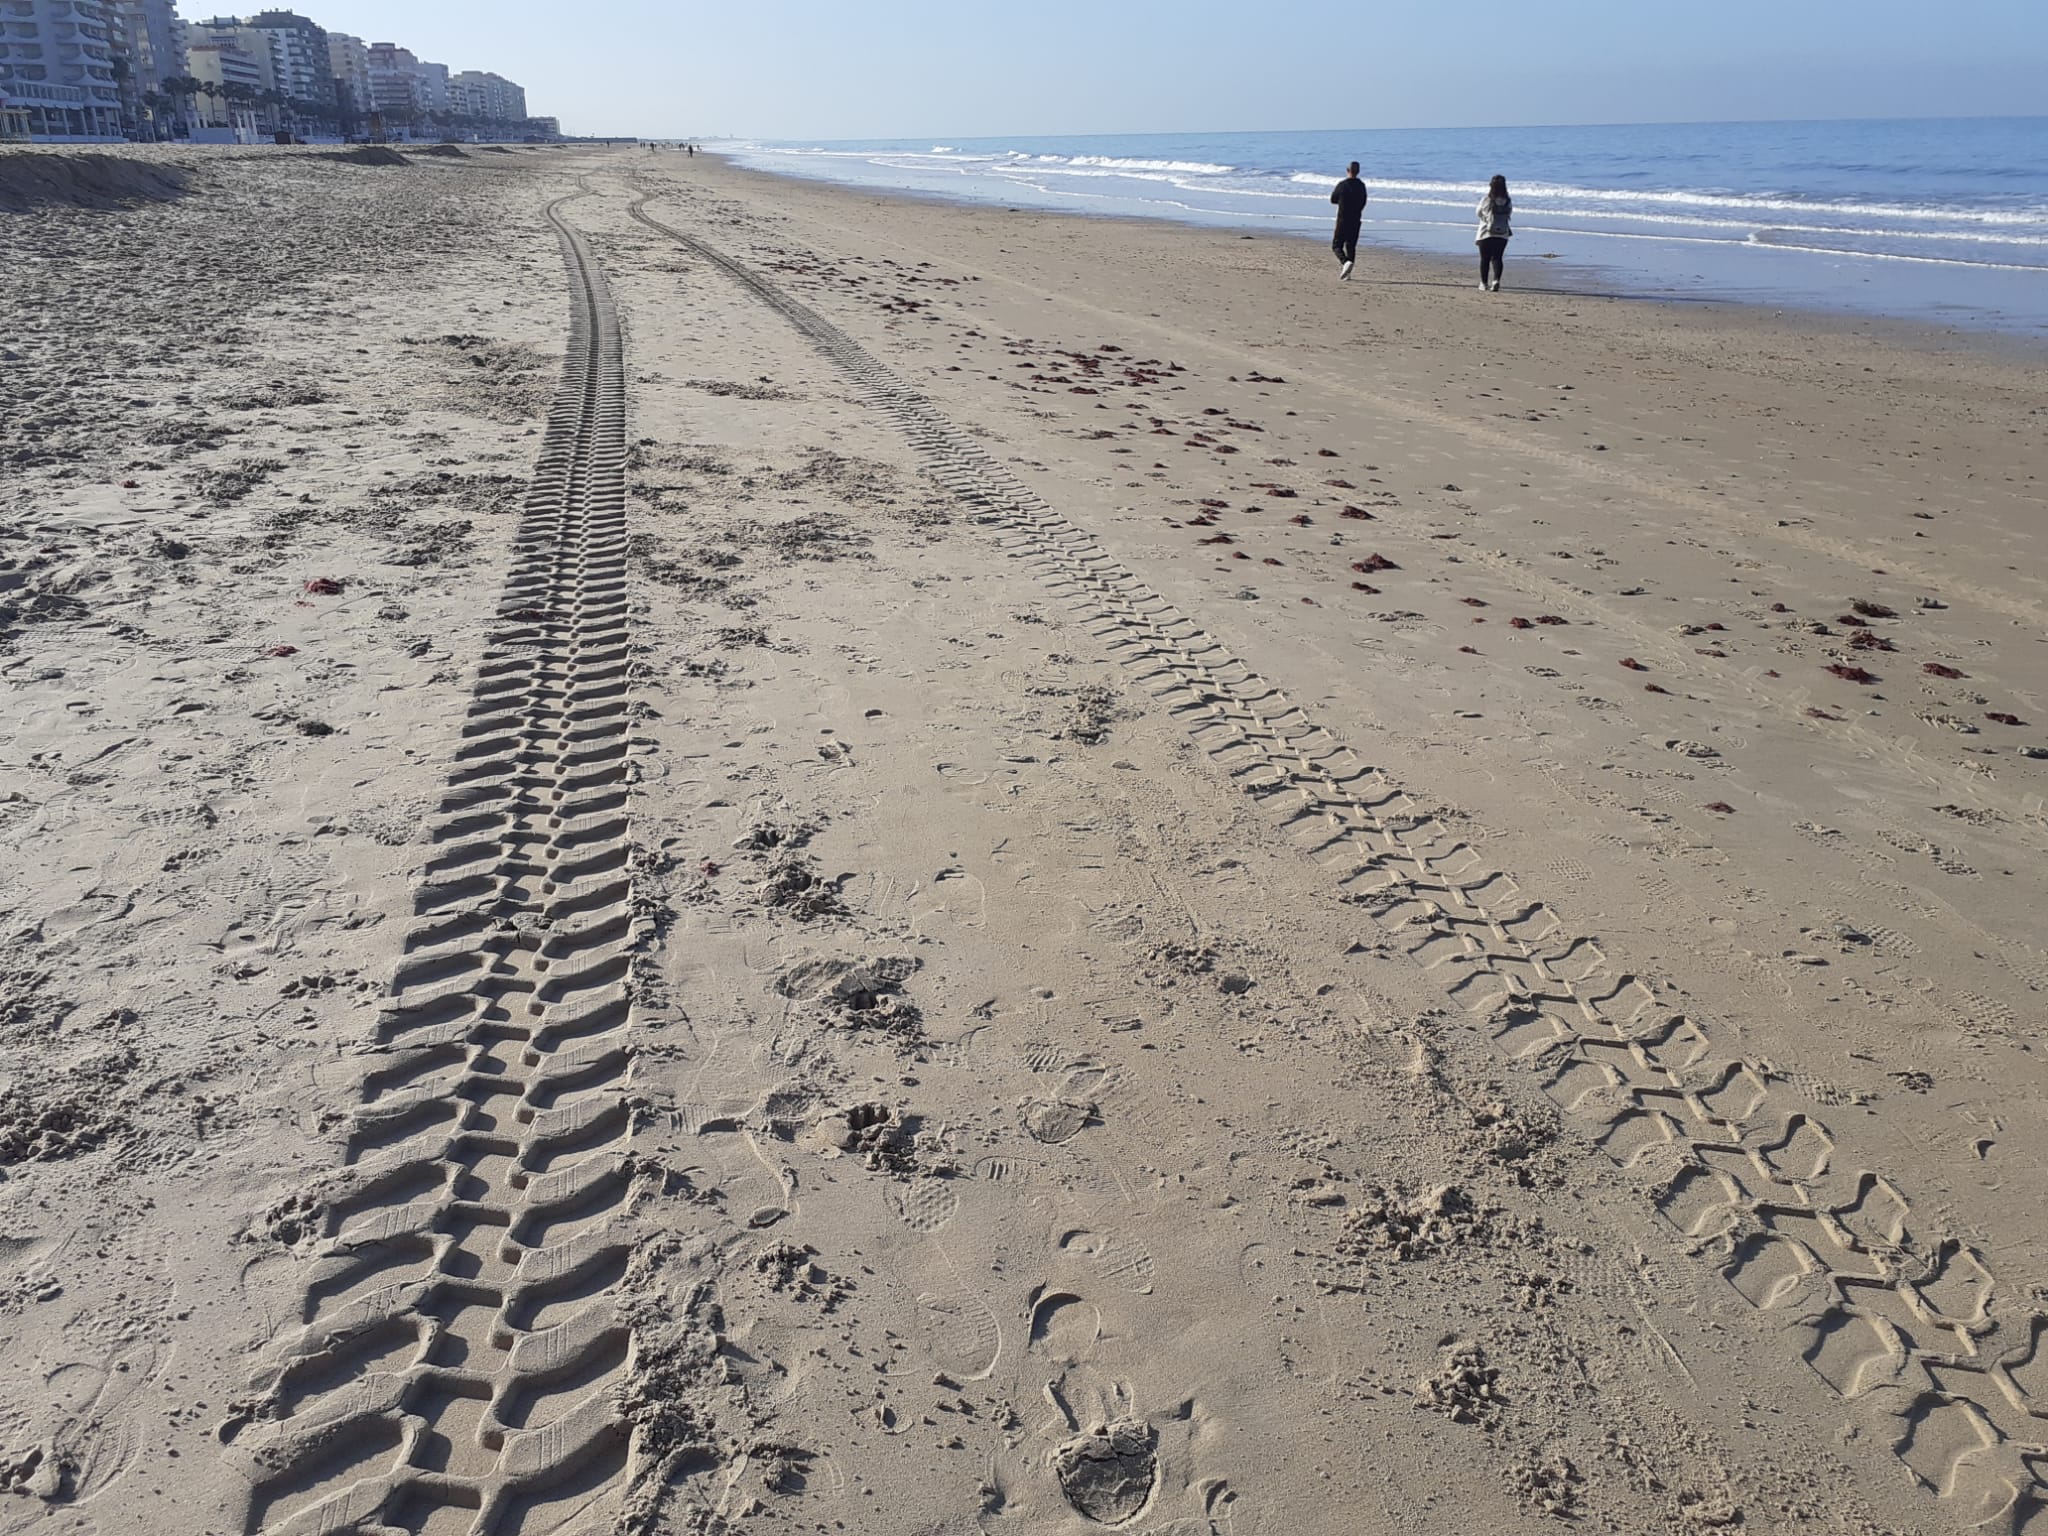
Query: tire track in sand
x=1946 y=1365
x=463 y=1346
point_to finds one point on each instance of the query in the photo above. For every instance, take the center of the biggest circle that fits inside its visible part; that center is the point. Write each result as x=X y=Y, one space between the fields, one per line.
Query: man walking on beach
x=1349 y=196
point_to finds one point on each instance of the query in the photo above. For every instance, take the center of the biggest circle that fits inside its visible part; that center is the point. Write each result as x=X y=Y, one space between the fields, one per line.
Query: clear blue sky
x=884 y=68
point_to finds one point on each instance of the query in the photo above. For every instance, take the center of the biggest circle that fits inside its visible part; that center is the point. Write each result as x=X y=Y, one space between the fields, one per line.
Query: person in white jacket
x=1496 y=209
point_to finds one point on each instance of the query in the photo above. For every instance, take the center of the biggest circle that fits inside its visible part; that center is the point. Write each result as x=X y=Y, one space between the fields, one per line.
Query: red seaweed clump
x=1850 y=674
x=1936 y=669
x=1373 y=563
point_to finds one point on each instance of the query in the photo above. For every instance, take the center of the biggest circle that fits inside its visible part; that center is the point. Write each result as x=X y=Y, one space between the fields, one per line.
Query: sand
x=686 y=853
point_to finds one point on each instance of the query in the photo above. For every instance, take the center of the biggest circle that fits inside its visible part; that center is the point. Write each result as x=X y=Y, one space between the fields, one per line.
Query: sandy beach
x=692 y=852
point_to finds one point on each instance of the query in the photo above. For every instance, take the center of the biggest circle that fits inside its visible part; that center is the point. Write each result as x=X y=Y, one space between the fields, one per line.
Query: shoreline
x=1590 y=277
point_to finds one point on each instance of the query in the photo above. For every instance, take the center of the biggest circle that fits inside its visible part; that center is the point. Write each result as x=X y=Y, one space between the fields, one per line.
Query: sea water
x=1943 y=220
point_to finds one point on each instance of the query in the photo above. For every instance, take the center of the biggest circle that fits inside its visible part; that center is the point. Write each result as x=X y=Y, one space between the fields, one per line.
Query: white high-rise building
x=236 y=63
x=487 y=97
x=151 y=36
x=57 y=69
x=407 y=88
x=298 y=55
x=348 y=61
x=394 y=80
x=432 y=86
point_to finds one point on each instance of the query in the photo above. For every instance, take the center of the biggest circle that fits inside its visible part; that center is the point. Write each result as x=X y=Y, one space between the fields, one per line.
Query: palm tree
x=123 y=71
x=182 y=89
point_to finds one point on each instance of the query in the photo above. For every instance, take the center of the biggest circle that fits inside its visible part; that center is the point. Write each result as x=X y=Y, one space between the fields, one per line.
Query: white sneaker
x=1485 y=286
x=1344 y=272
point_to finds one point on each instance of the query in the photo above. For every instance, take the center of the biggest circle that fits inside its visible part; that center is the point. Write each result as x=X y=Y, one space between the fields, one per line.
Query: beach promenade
x=690 y=852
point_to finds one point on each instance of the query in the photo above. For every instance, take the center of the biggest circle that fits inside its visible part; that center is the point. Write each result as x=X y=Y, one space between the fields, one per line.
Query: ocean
x=1942 y=220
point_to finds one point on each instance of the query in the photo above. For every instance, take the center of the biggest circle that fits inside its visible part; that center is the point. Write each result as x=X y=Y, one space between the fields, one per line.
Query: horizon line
x=1674 y=122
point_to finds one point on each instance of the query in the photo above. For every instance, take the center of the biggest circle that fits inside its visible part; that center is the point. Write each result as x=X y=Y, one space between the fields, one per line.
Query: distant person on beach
x=1349 y=196
x=1496 y=209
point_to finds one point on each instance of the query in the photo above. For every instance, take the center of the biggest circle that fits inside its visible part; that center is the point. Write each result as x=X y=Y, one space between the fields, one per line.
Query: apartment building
x=348 y=62
x=404 y=86
x=394 y=75
x=431 y=83
x=298 y=55
x=149 y=31
x=233 y=64
x=57 y=68
x=487 y=97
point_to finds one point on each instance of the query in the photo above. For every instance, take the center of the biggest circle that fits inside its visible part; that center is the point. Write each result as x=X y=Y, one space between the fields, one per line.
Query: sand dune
x=693 y=853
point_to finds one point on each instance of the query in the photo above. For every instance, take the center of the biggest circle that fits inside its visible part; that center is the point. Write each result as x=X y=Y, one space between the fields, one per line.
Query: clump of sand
x=30 y=181
x=367 y=154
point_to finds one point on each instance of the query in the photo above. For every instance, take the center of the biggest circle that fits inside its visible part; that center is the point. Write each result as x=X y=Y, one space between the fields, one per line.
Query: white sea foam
x=1827 y=194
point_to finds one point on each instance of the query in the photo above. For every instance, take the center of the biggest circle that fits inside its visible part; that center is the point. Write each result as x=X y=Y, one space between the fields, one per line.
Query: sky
x=832 y=69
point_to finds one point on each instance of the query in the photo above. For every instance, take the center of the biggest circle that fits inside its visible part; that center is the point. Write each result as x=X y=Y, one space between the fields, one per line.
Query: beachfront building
x=233 y=68
x=408 y=91
x=299 y=64
x=486 y=101
x=394 y=88
x=61 y=66
x=348 y=63
x=149 y=36
x=432 y=85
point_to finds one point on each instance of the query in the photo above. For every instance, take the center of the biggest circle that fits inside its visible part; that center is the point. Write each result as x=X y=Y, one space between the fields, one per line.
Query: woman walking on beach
x=1496 y=208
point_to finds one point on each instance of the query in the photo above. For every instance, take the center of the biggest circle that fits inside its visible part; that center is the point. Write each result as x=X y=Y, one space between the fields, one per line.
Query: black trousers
x=1491 y=253
x=1346 y=242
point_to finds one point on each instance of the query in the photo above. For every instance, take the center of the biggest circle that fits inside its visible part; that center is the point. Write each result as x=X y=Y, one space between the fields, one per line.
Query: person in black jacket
x=1349 y=196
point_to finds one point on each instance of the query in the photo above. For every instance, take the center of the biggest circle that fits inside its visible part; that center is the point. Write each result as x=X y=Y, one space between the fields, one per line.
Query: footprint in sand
x=1107 y=1463
x=1108 y=1471
x=961 y=1335
x=924 y=1205
x=1119 y=1259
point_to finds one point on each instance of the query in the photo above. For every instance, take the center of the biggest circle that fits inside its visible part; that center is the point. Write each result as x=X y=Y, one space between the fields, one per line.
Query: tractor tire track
x=462 y=1346
x=1945 y=1364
